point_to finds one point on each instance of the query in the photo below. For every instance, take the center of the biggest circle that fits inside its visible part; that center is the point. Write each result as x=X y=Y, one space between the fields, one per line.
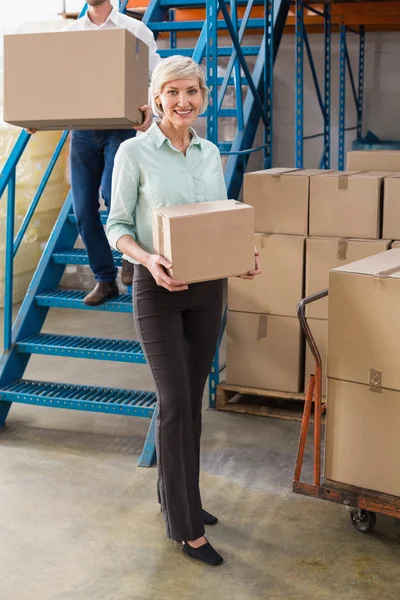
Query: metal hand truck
x=362 y=504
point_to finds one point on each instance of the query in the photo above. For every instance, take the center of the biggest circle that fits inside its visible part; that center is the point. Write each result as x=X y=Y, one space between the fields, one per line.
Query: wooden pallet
x=254 y=401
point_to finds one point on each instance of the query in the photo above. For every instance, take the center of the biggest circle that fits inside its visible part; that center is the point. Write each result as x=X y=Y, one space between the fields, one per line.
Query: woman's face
x=181 y=100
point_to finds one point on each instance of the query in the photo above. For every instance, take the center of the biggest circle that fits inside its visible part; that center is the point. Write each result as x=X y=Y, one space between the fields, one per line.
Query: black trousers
x=179 y=333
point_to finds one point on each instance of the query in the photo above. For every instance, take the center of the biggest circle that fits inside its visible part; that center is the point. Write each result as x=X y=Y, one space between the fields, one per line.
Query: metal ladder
x=24 y=337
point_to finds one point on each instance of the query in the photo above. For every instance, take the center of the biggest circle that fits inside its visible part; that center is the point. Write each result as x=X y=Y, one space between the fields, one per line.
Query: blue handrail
x=8 y=179
x=9 y=260
x=12 y=160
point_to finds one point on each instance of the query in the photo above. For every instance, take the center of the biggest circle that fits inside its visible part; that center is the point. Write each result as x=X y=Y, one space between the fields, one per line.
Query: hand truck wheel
x=363 y=520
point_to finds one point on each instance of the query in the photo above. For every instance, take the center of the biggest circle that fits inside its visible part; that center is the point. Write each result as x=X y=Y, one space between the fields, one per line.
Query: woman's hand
x=257 y=270
x=155 y=264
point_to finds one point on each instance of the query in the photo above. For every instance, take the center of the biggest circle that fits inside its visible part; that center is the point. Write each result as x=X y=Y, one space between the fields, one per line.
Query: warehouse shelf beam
x=324 y=101
x=358 y=94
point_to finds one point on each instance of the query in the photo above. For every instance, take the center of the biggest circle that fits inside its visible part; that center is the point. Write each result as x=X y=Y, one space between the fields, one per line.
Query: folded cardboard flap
x=388 y=272
x=372 y=265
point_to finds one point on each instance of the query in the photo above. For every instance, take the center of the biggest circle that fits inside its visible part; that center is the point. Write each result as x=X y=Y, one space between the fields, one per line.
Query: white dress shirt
x=117 y=20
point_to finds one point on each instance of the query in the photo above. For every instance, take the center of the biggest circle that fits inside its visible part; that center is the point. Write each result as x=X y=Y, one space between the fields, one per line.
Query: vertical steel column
x=213 y=379
x=268 y=80
x=173 y=34
x=212 y=69
x=342 y=97
x=360 y=103
x=327 y=87
x=9 y=263
x=299 y=82
x=237 y=77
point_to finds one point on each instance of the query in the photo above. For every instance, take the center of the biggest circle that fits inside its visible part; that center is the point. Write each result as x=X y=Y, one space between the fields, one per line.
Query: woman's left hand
x=257 y=270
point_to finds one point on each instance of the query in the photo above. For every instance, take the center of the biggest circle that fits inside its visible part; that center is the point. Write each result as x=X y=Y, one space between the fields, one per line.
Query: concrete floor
x=80 y=521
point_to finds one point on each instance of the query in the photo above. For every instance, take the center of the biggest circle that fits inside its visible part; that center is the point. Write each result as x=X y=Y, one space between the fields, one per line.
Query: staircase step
x=74 y=299
x=103 y=217
x=80 y=397
x=78 y=256
x=82 y=347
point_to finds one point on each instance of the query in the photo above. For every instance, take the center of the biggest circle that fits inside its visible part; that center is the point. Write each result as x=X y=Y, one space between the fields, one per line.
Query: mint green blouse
x=150 y=173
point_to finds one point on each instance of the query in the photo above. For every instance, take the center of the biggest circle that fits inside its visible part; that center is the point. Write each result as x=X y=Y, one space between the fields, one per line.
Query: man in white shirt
x=92 y=159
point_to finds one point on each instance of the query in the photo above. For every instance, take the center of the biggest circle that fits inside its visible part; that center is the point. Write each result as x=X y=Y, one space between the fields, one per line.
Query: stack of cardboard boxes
x=264 y=341
x=307 y=222
x=345 y=226
x=362 y=441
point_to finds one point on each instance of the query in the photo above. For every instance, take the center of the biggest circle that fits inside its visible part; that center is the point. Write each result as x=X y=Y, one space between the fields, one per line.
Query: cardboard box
x=319 y=330
x=363 y=324
x=324 y=254
x=396 y=244
x=205 y=240
x=391 y=207
x=264 y=351
x=280 y=198
x=346 y=204
x=373 y=160
x=279 y=288
x=75 y=79
x=362 y=445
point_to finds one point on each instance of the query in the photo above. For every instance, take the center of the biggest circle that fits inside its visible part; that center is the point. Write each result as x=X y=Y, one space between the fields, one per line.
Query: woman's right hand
x=156 y=265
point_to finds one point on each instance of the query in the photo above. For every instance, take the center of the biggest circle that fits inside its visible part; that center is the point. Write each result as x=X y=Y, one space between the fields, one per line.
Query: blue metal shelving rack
x=324 y=99
x=23 y=337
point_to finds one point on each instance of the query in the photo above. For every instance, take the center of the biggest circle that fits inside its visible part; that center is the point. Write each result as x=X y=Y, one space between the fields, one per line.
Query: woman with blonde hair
x=177 y=324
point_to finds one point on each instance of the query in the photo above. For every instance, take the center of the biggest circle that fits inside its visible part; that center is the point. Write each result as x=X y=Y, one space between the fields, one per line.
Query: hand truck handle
x=301 y=313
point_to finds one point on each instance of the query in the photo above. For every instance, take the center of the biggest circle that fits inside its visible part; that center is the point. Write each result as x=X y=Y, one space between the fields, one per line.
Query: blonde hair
x=176 y=67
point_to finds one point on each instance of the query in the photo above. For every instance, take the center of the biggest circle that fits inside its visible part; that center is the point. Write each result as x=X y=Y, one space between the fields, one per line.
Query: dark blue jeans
x=92 y=160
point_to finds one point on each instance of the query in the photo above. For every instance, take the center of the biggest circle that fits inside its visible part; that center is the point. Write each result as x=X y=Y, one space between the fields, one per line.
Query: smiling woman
x=178 y=331
x=179 y=97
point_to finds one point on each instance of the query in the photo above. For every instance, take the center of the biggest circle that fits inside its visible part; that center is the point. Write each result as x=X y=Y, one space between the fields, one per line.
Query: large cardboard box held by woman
x=205 y=240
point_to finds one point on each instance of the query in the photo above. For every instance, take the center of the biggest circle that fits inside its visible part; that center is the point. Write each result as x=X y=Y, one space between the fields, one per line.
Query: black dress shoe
x=209 y=519
x=205 y=554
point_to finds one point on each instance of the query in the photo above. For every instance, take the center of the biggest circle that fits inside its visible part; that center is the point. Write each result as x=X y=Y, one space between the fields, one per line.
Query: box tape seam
x=262 y=327
x=342 y=249
x=375 y=381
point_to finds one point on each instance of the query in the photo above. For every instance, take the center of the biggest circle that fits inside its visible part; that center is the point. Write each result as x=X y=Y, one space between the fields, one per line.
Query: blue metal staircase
x=24 y=337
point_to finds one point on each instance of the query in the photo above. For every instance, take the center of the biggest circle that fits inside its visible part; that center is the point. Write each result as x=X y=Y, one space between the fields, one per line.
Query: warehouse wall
x=382 y=87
